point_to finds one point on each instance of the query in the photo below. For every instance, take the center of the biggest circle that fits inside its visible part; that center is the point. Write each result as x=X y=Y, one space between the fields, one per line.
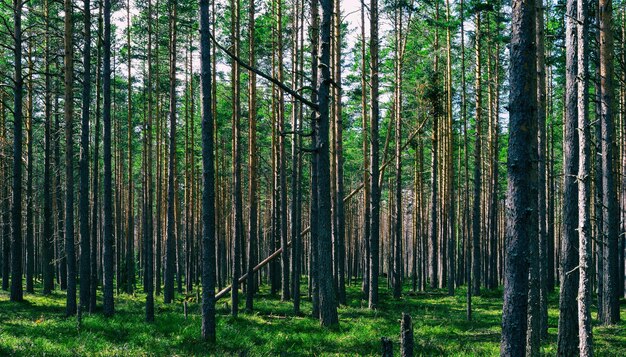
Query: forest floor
x=38 y=327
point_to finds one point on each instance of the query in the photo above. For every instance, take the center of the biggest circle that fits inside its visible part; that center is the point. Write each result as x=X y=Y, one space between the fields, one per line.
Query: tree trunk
x=149 y=190
x=568 y=338
x=328 y=306
x=48 y=224
x=130 y=228
x=85 y=239
x=476 y=256
x=171 y=238
x=541 y=180
x=17 y=293
x=374 y=170
x=585 y=346
x=208 y=180
x=610 y=314
x=521 y=167
x=107 y=236
x=70 y=308
x=252 y=164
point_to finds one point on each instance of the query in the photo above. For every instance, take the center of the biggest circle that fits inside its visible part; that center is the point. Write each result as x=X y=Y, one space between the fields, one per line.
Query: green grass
x=38 y=327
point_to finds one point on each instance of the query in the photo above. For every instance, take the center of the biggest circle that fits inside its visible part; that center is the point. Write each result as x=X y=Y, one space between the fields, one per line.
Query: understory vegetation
x=39 y=327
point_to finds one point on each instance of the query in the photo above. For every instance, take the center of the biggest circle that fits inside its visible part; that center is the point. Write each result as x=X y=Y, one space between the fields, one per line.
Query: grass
x=38 y=327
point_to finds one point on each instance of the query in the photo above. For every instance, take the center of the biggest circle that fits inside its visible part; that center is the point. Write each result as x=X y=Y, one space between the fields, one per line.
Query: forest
x=312 y=177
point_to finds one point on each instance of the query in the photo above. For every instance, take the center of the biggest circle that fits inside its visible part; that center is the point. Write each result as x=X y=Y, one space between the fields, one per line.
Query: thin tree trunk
x=17 y=293
x=48 y=223
x=374 y=163
x=171 y=238
x=585 y=346
x=108 y=251
x=208 y=180
x=70 y=308
x=85 y=239
x=149 y=190
x=476 y=256
x=252 y=163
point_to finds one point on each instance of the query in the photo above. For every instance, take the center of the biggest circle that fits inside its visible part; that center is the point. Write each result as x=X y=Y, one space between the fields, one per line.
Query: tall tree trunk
x=107 y=235
x=237 y=213
x=366 y=159
x=282 y=156
x=130 y=228
x=70 y=308
x=85 y=239
x=610 y=314
x=521 y=167
x=328 y=306
x=476 y=256
x=314 y=217
x=48 y=224
x=149 y=190
x=17 y=293
x=171 y=238
x=541 y=180
x=208 y=180
x=252 y=163
x=397 y=234
x=30 y=234
x=585 y=346
x=451 y=232
x=339 y=218
x=96 y=247
x=568 y=338
x=374 y=148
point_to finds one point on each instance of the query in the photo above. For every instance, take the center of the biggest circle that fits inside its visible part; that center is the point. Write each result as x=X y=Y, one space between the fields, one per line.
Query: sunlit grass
x=39 y=327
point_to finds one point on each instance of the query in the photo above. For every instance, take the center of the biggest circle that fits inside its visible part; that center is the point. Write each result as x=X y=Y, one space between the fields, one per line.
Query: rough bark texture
x=48 y=225
x=85 y=238
x=567 y=339
x=17 y=293
x=170 y=239
x=70 y=308
x=208 y=179
x=252 y=165
x=406 y=336
x=541 y=181
x=107 y=234
x=374 y=145
x=610 y=314
x=476 y=209
x=149 y=190
x=522 y=196
x=585 y=345
x=328 y=306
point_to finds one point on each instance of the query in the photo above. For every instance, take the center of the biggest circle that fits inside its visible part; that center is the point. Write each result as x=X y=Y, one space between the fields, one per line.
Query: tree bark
x=328 y=306
x=585 y=345
x=70 y=308
x=374 y=148
x=85 y=238
x=568 y=339
x=17 y=293
x=521 y=195
x=610 y=301
x=170 y=240
x=108 y=250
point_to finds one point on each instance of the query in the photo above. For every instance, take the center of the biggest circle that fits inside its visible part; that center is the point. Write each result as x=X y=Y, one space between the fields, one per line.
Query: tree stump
x=406 y=336
x=387 y=347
